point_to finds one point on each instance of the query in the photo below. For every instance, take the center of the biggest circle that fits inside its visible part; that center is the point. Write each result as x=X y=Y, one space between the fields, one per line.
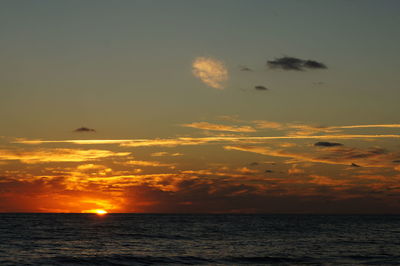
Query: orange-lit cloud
x=268 y=124
x=369 y=126
x=90 y=166
x=302 y=177
x=164 y=153
x=305 y=129
x=149 y=163
x=373 y=157
x=182 y=141
x=74 y=141
x=295 y=170
x=211 y=71
x=218 y=127
x=207 y=190
x=246 y=170
x=57 y=155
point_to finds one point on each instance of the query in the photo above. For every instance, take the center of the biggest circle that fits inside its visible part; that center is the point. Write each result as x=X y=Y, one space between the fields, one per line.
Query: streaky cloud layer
x=218 y=127
x=57 y=155
x=172 y=142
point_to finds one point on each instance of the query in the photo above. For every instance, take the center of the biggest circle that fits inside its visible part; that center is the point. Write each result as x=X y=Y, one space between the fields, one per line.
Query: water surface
x=144 y=239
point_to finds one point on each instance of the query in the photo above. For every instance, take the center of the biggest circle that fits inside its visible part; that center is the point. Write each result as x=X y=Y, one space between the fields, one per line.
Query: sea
x=199 y=239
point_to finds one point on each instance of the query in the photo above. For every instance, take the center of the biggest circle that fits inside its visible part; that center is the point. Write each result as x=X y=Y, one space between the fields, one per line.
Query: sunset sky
x=200 y=106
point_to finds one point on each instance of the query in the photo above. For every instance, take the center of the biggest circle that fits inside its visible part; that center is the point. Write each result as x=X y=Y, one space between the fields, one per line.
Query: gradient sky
x=164 y=94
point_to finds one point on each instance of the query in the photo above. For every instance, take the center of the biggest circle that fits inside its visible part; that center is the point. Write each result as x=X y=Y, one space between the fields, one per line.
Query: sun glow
x=101 y=212
x=96 y=211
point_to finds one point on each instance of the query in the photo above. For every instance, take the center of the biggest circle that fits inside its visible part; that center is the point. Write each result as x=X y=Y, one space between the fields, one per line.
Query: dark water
x=138 y=239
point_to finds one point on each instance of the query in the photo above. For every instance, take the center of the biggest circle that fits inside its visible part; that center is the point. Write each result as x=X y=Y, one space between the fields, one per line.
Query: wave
x=122 y=260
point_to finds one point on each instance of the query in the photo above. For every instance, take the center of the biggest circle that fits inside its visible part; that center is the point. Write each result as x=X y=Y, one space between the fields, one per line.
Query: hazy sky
x=200 y=106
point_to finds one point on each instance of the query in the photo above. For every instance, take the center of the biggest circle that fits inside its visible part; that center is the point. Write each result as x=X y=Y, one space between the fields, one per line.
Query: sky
x=200 y=106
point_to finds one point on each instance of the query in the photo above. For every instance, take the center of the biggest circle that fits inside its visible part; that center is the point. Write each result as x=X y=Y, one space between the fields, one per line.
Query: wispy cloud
x=211 y=71
x=306 y=129
x=57 y=155
x=369 y=126
x=149 y=163
x=373 y=157
x=219 y=127
x=295 y=170
x=183 y=141
x=74 y=141
x=164 y=153
x=245 y=68
x=268 y=124
x=90 y=166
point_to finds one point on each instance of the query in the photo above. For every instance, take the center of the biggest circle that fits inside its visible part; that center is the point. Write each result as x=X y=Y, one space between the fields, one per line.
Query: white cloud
x=211 y=71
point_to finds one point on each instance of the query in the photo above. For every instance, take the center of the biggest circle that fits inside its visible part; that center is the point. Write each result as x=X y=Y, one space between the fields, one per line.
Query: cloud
x=260 y=88
x=373 y=157
x=149 y=163
x=369 y=126
x=188 y=190
x=314 y=64
x=299 y=129
x=189 y=194
x=183 y=141
x=268 y=124
x=218 y=127
x=77 y=141
x=294 y=170
x=246 y=170
x=293 y=63
x=302 y=129
x=84 y=129
x=90 y=166
x=327 y=144
x=57 y=155
x=245 y=68
x=164 y=153
x=211 y=71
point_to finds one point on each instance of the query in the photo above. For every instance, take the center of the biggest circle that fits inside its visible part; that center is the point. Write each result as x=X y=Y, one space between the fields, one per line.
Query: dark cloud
x=314 y=64
x=327 y=144
x=220 y=196
x=293 y=63
x=260 y=88
x=254 y=164
x=84 y=129
x=355 y=165
x=371 y=153
x=269 y=171
x=396 y=161
x=286 y=63
x=202 y=195
x=245 y=68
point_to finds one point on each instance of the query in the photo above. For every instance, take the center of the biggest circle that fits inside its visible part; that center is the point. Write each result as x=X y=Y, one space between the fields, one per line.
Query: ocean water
x=161 y=239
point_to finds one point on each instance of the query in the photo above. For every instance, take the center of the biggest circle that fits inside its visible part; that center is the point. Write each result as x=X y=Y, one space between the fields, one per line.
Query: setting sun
x=96 y=211
x=101 y=212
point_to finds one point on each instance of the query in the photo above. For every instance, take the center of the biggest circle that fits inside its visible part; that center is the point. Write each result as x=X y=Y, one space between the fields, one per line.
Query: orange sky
x=200 y=106
x=294 y=170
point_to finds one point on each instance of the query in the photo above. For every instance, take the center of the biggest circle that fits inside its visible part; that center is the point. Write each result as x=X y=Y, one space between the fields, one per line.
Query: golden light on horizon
x=101 y=212
x=96 y=211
